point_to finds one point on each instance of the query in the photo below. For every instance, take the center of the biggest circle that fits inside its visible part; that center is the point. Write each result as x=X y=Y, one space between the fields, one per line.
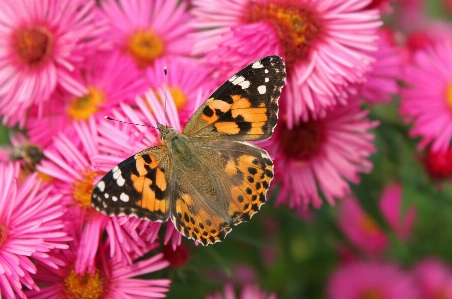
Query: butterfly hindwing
x=245 y=107
x=245 y=172
x=137 y=186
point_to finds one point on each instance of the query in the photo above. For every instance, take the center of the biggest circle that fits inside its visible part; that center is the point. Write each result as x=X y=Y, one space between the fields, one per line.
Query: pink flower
x=109 y=278
x=381 y=82
x=30 y=226
x=390 y=205
x=325 y=153
x=361 y=280
x=325 y=45
x=109 y=78
x=148 y=30
x=429 y=82
x=41 y=44
x=433 y=279
x=69 y=164
x=187 y=81
x=360 y=228
x=248 y=291
x=408 y=10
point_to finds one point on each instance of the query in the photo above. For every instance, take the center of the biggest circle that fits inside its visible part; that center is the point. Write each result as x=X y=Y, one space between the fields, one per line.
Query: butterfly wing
x=244 y=173
x=245 y=107
x=137 y=186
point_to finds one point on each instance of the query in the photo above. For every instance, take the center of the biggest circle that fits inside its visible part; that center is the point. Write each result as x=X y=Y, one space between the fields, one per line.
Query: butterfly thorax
x=180 y=148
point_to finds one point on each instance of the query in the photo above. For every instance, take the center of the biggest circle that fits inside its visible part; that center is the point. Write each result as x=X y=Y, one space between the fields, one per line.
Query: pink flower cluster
x=65 y=64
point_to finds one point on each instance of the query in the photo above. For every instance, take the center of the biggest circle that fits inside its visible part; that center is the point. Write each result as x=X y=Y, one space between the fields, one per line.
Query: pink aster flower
x=69 y=164
x=40 y=45
x=324 y=154
x=427 y=101
x=109 y=79
x=381 y=82
x=433 y=279
x=187 y=81
x=390 y=205
x=248 y=291
x=326 y=54
x=360 y=228
x=148 y=30
x=30 y=226
x=381 y=280
x=108 y=280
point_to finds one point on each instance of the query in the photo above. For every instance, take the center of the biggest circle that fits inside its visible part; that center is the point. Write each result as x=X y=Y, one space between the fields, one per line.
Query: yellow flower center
x=82 y=188
x=297 y=27
x=144 y=46
x=449 y=95
x=33 y=45
x=3 y=234
x=86 y=286
x=372 y=293
x=84 y=107
x=369 y=225
x=177 y=95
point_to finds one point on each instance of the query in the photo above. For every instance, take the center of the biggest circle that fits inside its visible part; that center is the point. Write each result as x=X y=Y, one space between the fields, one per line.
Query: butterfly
x=208 y=177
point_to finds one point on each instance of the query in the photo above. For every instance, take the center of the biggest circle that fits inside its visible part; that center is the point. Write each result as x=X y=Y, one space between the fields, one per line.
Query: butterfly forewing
x=245 y=107
x=137 y=186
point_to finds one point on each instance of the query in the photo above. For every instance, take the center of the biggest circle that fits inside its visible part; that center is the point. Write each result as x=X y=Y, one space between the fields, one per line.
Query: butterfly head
x=164 y=131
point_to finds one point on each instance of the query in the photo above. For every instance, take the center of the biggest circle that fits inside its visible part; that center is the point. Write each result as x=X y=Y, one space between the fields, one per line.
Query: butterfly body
x=207 y=177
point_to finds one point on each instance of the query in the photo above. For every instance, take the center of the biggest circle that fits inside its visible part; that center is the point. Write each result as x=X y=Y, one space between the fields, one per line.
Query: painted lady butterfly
x=208 y=177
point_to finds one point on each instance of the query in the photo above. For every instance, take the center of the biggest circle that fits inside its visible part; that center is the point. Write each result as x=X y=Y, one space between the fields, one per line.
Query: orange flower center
x=303 y=142
x=86 y=286
x=178 y=97
x=145 y=46
x=297 y=27
x=82 y=188
x=33 y=45
x=3 y=234
x=372 y=293
x=449 y=95
x=84 y=107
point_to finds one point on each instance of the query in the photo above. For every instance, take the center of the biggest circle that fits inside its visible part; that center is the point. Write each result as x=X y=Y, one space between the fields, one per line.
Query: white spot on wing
x=114 y=198
x=266 y=79
x=262 y=89
x=266 y=71
x=233 y=79
x=116 y=172
x=244 y=84
x=106 y=195
x=101 y=186
x=124 y=197
x=120 y=181
x=257 y=65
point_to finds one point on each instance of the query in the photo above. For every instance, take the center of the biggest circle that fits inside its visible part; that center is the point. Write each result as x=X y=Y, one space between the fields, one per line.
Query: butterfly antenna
x=165 y=71
x=126 y=122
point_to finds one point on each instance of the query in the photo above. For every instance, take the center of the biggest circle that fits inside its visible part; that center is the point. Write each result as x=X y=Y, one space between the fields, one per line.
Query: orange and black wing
x=138 y=186
x=245 y=107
